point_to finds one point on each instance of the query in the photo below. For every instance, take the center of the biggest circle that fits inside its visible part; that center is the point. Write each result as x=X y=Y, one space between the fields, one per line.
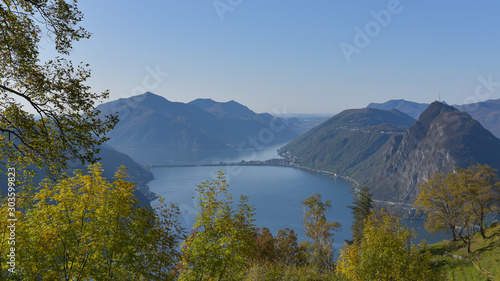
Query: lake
x=275 y=193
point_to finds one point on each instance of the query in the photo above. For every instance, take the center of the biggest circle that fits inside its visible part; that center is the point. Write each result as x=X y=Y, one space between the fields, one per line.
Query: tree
x=288 y=251
x=282 y=250
x=162 y=255
x=221 y=244
x=441 y=199
x=361 y=210
x=460 y=201
x=320 y=231
x=265 y=246
x=47 y=114
x=86 y=228
x=481 y=189
x=385 y=252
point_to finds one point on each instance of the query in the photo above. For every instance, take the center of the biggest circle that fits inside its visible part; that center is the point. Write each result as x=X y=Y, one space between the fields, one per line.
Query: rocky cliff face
x=442 y=139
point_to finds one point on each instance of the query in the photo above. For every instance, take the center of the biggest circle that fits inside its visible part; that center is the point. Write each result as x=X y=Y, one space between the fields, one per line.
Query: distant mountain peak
x=231 y=108
x=148 y=95
x=155 y=130
x=434 y=110
x=411 y=108
x=149 y=100
x=367 y=117
x=203 y=102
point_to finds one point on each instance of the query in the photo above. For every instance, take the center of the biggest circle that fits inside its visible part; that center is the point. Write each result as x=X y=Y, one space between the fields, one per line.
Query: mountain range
x=353 y=144
x=154 y=130
x=382 y=146
x=487 y=112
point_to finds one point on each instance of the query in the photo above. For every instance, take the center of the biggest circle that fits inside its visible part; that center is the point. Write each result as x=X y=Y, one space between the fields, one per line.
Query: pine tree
x=361 y=210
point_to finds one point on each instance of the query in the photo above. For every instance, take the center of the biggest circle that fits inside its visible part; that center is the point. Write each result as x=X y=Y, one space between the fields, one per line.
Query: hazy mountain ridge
x=440 y=140
x=349 y=138
x=487 y=113
x=154 y=130
x=230 y=109
x=411 y=108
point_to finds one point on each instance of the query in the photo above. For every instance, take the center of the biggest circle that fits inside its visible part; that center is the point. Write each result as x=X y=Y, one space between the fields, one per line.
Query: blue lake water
x=275 y=193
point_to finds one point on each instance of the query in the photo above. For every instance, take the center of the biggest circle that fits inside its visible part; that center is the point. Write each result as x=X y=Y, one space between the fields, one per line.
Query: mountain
x=487 y=113
x=347 y=139
x=154 y=130
x=230 y=109
x=411 y=108
x=442 y=139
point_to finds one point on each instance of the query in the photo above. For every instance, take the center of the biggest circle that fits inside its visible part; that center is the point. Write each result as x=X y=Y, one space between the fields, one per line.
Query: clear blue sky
x=287 y=53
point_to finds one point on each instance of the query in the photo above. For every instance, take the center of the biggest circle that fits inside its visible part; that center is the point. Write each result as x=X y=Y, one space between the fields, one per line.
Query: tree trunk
x=481 y=223
x=453 y=232
x=482 y=231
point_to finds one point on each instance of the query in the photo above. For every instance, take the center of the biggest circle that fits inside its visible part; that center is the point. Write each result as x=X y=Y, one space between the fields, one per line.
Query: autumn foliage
x=84 y=227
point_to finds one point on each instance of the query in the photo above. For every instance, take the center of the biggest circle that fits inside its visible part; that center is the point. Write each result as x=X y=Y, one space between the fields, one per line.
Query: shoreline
x=284 y=162
x=271 y=162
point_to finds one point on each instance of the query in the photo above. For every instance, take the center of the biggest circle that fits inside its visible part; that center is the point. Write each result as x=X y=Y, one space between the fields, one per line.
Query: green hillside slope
x=482 y=264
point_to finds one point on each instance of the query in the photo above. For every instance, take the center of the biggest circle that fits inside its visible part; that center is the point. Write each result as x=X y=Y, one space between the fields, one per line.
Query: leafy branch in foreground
x=47 y=114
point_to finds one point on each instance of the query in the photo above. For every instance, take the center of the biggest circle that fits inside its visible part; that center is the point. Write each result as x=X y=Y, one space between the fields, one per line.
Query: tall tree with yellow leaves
x=84 y=227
